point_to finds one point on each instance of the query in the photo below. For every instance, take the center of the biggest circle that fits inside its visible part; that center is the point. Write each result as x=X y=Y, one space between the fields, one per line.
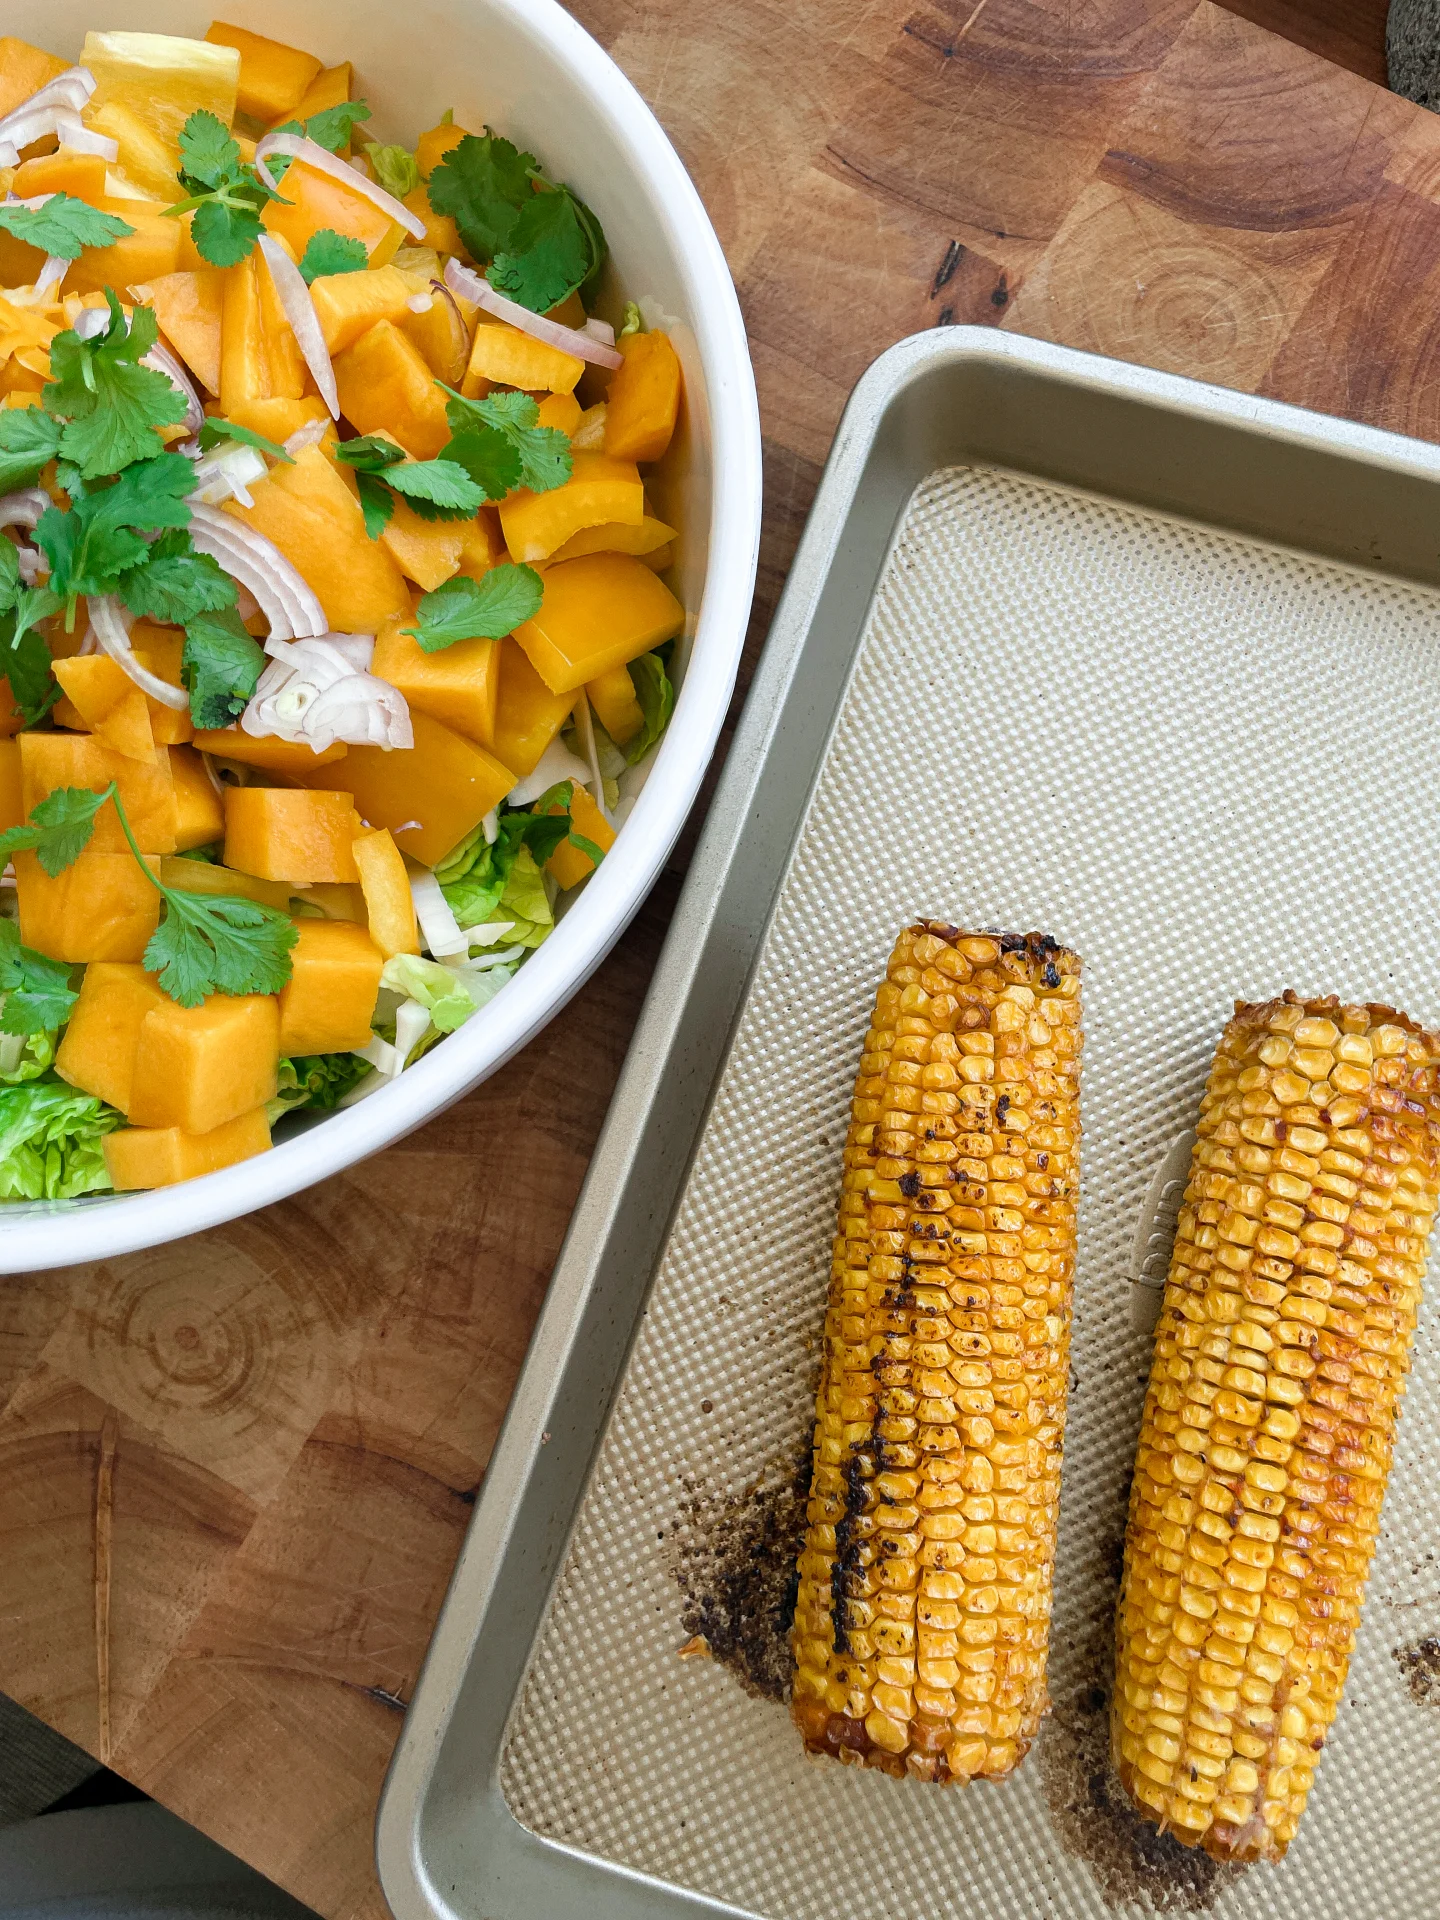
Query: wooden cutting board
x=281 y=1425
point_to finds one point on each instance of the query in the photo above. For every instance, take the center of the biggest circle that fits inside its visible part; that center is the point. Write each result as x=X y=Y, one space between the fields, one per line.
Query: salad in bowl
x=337 y=616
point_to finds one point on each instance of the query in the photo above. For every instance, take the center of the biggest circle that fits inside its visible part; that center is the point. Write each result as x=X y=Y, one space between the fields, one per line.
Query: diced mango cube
x=459 y=685
x=503 y=356
x=649 y=537
x=426 y=551
x=82 y=174
x=108 y=703
x=12 y=800
x=349 y=304
x=444 y=781
x=560 y=411
x=599 y=612
x=208 y=877
x=612 y=696
x=197 y=1067
x=288 y=833
x=97 y=1052
x=384 y=383
x=433 y=145
x=137 y=1158
x=643 y=402
x=199 y=816
x=267 y=750
x=314 y=201
x=278 y=419
x=152 y=251
x=100 y=907
x=259 y=356
x=327 y=1004
x=600 y=490
x=147 y=790
x=439 y=334
x=571 y=864
x=389 y=904
x=159 y=80
x=527 y=714
x=329 y=87
x=273 y=77
x=24 y=70
x=189 y=307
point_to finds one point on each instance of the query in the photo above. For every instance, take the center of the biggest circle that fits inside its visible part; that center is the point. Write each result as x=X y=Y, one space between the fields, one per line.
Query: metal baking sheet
x=1067 y=645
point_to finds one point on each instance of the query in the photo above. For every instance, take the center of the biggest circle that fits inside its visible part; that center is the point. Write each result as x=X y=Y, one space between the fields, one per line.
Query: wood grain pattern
x=303 y=1403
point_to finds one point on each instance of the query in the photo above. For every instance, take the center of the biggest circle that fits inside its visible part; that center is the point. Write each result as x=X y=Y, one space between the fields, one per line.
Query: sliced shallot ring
x=310 y=435
x=110 y=631
x=583 y=346
x=294 y=297
x=282 y=594
x=71 y=131
x=72 y=89
x=24 y=507
x=52 y=273
x=296 y=147
x=600 y=330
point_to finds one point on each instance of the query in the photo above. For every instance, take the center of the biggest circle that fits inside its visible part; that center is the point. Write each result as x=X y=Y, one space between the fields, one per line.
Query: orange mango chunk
x=274 y=755
x=612 y=696
x=24 y=70
x=444 y=781
x=12 y=808
x=149 y=253
x=273 y=77
x=189 y=307
x=316 y=201
x=440 y=334
x=137 y=1158
x=426 y=551
x=160 y=649
x=441 y=232
x=278 y=419
x=199 y=816
x=291 y=834
x=527 y=714
x=197 y=1067
x=560 y=411
x=349 y=304
x=334 y=899
x=459 y=685
x=570 y=864
x=327 y=1004
x=384 y=384
x=599 y=491
x=97 y=1053
x=503 y=356
x=389 y=905
x=82 y=174
x=206 y=876
x=649 y=537
x=329 y=87
x=601 y=611
x=259 y=356
x=643 y=402
x=433 y=145
x=147 y=789
x=108 y=702
x=312 y=516
x=101 y=907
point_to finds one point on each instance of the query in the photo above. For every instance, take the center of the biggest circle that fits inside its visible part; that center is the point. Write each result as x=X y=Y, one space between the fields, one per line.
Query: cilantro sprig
x=63 y=226
x=24 y=656
x=225 y=191
x=109 y=409
x=36 y=989
x=541 y=241
x=221 y=664
x=436 y=489
x=331 y=128
x=217 y=429
x=328 y=252
x=484 y=609
x=101 y=537
x=204 y=943
x=501 y=445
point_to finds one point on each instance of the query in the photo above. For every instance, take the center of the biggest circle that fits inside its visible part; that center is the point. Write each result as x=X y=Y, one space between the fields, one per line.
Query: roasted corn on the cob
x=924 y=1600
x=1265 y=1442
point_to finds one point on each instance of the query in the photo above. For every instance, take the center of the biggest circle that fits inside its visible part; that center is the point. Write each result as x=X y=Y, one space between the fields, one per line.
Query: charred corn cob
x=1265 y=1441
x=924 y=1598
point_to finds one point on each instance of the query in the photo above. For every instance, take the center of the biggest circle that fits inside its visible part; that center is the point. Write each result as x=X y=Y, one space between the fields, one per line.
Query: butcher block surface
x=235 y=1472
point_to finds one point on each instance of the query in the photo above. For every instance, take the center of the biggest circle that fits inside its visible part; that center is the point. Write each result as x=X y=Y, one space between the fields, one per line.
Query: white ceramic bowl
x=527 y=69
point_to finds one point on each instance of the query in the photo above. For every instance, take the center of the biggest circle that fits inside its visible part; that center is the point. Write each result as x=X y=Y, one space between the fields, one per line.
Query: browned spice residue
x=734 y=1558
x=1420 y=1665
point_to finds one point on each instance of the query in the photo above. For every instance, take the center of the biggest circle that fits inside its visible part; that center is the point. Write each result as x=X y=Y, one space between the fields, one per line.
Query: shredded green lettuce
x=656 y=694
x=449 y=994
x=315 y=1080
x=26 y=1056
x=475 y=877
x=50 y=1139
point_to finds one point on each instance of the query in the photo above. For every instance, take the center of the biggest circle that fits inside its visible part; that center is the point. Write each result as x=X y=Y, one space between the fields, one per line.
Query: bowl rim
x=63 y=1233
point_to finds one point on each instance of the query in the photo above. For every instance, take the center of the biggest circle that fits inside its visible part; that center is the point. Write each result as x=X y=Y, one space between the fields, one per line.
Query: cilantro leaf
x=370 y=453
x=217 y=429
x=221 y=665
x=377 y=503
x=37 y=991
x=225 y=234
x=59 y=829
x=395 y=168
x=545 y=459
x=492 y=461
x=9 y=574
x=111 y=405
x=482 y=184
x=64 y=226
x=332 y=127
x=207 y=944
x=437 y=489
x=328 y=252
x=29 y=438
x=654 y=691
x=96 y=541
x=484 y=609
x=208 y=154
x=24 y=655
x=548 y=254
x=176 y=583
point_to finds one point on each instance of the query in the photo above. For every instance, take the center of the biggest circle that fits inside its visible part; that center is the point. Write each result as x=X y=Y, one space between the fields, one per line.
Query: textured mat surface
x=1211 y=768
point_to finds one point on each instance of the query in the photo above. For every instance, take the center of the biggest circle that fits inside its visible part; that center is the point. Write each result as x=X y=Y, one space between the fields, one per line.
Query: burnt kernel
x=909 y=1184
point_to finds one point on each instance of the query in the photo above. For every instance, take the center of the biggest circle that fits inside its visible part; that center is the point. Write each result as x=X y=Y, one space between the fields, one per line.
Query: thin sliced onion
x=436 y=916
x=420 y=302
x=296 y=147
x=310 y=435
x=585 y=727
x=474 y=286
x=71 y=131
x=24 y=508
x=226 y=474
x=161 y=360
x=316 y=691
x=356 y=649
x=33 y=564
x=294 y=297
x=600 y=330
x=72 y=89
x=114 y=637
x=91 y=322
x=286 y=599
x=52 y=273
